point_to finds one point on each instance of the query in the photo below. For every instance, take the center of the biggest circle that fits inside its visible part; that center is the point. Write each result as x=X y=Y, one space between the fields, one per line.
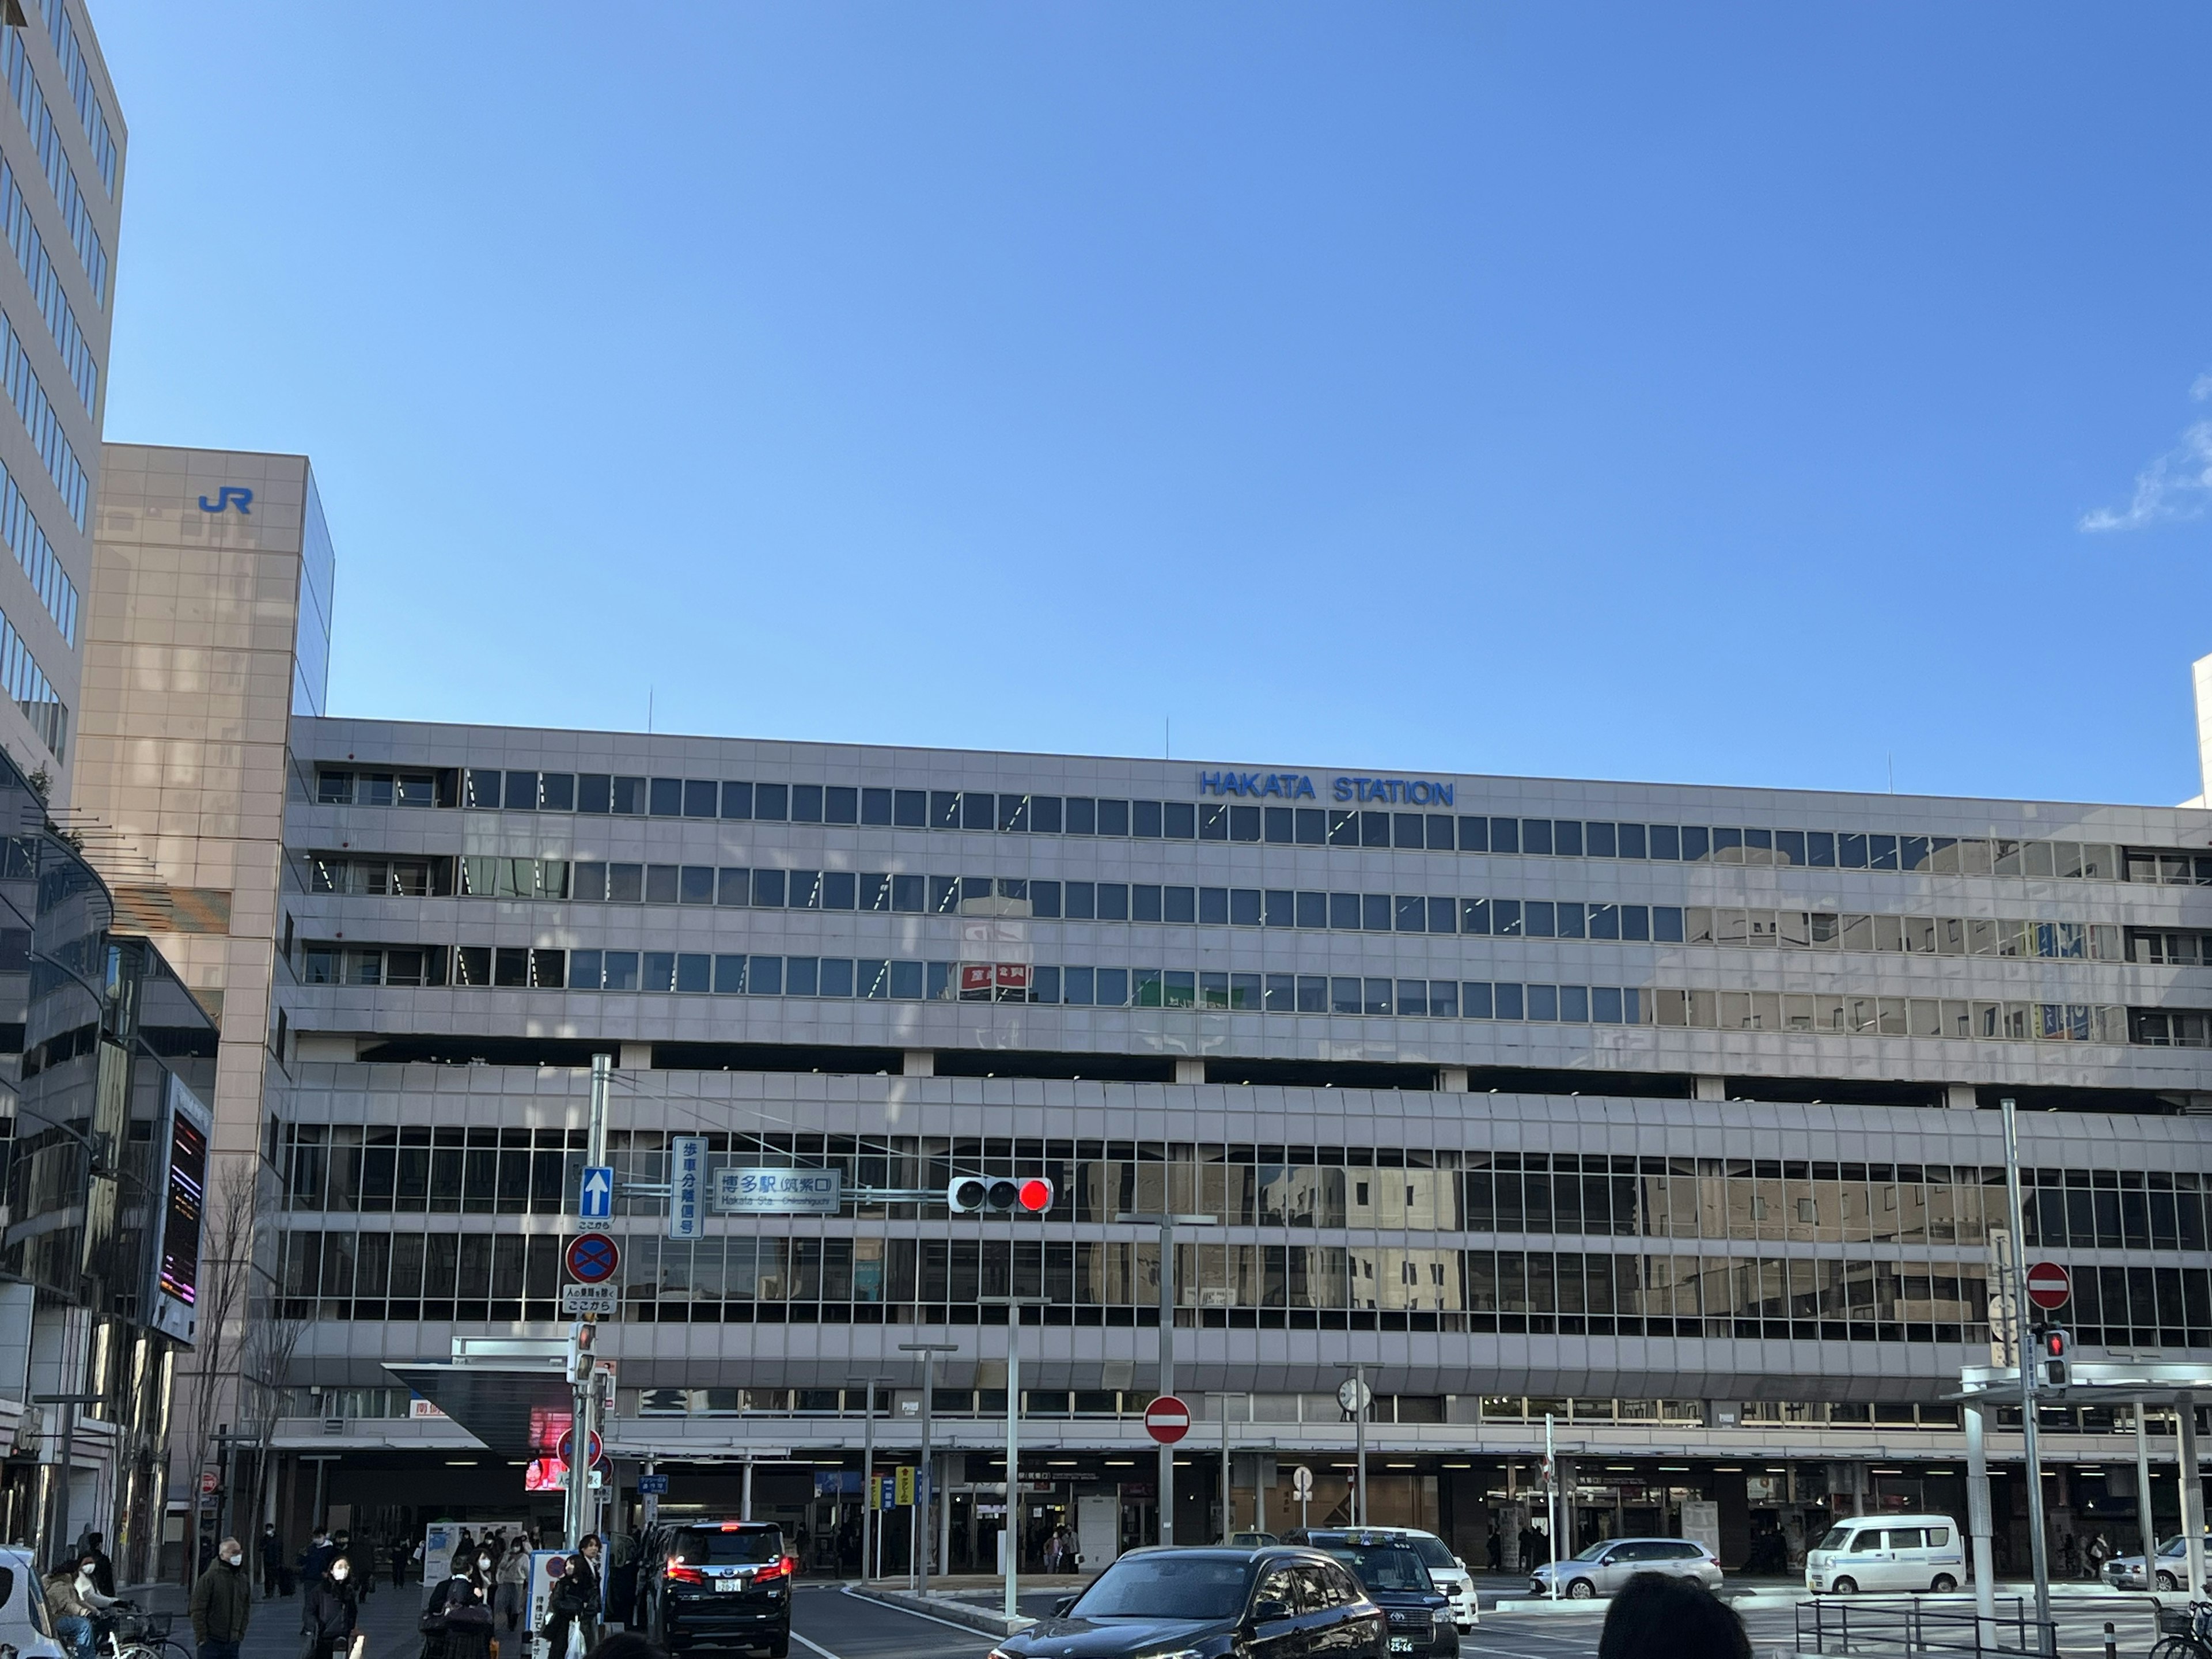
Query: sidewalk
x=388 y=1618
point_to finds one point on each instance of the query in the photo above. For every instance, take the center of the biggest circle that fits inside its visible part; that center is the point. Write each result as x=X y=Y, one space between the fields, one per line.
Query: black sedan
x=1273 y=1603
x=1391 y=1570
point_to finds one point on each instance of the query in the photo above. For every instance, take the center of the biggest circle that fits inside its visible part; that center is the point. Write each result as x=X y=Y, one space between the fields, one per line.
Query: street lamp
x=1167 y=1223
x=1013 y=1305
x=926 y=1488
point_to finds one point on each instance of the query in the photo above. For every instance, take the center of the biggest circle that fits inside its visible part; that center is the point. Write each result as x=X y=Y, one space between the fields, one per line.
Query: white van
x=1870 y=1553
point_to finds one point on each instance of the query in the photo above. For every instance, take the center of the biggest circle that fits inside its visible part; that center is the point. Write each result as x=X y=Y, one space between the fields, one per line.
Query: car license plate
x=1402 y=1644
x=733 y=1583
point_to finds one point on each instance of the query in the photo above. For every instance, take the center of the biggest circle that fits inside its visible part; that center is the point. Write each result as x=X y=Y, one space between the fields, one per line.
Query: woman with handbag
x=468 y=1624
x=332 y=1612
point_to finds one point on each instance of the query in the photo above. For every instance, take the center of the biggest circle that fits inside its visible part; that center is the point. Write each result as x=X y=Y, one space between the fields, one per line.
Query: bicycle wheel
x=2176 y=1647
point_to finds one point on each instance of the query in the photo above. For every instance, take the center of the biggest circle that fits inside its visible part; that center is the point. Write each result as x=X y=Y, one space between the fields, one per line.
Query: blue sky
x=1728 y=394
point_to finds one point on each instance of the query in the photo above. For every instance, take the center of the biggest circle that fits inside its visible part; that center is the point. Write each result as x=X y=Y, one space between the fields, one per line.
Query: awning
x=516 y=1410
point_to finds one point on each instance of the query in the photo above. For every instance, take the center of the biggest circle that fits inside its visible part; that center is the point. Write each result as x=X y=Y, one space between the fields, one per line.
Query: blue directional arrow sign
x=596 y=1201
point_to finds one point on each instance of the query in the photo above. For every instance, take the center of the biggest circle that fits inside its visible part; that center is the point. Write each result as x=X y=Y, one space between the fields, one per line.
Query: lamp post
x=925 y=1488
x=1167 y=1223
x=1013 y=1305
x=2039 y=1552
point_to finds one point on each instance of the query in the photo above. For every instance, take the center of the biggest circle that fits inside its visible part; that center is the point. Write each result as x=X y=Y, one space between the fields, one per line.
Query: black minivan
x=718 y=1584
x=1274 y=1603
x=1395 y=1578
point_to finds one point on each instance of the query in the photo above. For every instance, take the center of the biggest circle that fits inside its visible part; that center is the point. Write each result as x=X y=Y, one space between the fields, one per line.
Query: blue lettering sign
x=1285 y=786
x=1397 y=791
x=228 y=496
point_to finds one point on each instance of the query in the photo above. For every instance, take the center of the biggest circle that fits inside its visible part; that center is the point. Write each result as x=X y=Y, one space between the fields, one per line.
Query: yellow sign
x=903 y=1490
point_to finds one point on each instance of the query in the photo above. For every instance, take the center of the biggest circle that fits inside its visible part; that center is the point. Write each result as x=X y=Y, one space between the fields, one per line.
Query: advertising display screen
x=180 y=1210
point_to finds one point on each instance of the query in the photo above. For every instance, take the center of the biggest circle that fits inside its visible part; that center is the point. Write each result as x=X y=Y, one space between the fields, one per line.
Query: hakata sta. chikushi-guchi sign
x=2049 y=1285
x=1167 y=1419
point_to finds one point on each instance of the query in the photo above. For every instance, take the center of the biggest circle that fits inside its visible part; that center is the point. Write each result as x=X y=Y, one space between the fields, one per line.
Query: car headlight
x=1175 y=1652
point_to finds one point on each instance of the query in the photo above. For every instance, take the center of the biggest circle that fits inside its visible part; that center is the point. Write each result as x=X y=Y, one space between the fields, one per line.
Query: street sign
x=1167 y=1419
x=592 y=1258
x=687 y=1181
x=1355 y=1396
x=652 y=1485
x=1301 y=1483
x=591 y=1301
x=2049 y=1284
x=777 y=1191
x=902 y=1485
x=211 y=1482
x=595 y=1198
x=569 y=1445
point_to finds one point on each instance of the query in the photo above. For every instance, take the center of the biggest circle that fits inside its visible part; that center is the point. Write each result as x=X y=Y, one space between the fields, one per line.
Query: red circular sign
x=2049 y=1284
x=565 y=1450
x=1167 y=1419
x=211 y=1482
x=592 y=1258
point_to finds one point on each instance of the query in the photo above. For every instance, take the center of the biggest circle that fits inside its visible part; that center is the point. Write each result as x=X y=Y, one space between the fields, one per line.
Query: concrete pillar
x=1451 y=1079
x=635 y=1057
x=1190 y=1070
x=1712 y=1088
x=1732 y=1493
x=1960 y=1097
x=2192 y=1488
x=1979 y=1525
x=919 y=1062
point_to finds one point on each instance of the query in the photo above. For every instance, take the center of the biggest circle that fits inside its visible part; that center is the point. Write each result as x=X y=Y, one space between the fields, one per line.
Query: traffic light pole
x=924 y=1484
x=583 y=1423
x=2031 y=1452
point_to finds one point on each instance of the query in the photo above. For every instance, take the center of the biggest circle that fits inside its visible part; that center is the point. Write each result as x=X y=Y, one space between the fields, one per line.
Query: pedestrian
x=221 y=1602
x=468 y=1624
x=1494 y=1548
x=575 y=1601
x=314 y=1560
x=2099 y=1552
x=103 y=1575
x=402 y=1551
x=2066 y=1554
x=512 y=1595
x=1659 y=1616
x=272 y=1559
x=333 y=1612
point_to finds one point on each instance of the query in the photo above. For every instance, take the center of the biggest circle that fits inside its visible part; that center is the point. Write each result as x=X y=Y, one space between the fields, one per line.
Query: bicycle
x=2183 y=1632
x=132 y=1633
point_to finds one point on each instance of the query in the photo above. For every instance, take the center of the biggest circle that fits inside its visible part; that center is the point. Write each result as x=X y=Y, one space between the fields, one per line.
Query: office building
x=1667 y=1112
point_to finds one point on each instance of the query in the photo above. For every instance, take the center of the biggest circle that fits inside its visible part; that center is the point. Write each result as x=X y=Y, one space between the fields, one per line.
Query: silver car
x=2170 y=1569
x=1607 y=1565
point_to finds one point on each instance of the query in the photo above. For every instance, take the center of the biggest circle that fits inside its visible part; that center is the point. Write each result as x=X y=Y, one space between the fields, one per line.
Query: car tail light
x=784 y=1566
x=680 y=1574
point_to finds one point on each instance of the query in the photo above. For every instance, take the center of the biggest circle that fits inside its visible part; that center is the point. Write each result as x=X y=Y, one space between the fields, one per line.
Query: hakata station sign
x=2049 y=1285
x=1167 y=1419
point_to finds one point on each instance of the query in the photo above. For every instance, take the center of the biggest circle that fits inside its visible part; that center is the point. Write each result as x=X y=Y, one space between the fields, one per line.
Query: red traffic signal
x=999 y=1196
x=2058 y=1351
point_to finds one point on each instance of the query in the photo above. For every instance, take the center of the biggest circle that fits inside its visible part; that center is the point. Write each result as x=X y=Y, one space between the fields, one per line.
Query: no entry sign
x=592 y=1258
x=2049 y=1284
x=1167 y=1419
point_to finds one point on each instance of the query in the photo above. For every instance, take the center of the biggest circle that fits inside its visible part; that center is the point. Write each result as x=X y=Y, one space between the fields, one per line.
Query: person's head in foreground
x=1657 y=1616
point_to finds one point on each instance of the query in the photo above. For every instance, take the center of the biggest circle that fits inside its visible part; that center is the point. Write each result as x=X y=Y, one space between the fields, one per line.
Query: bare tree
x=225 y=1283
x=272 y=1336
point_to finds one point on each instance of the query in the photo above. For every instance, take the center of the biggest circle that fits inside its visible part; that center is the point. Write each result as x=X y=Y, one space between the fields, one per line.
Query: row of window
x=524 y=967
x=23 y=680
x=76 y=72
x=599 y=793
x=46 y=286
x=361 y=1275
x=61 y=177
x=727 y=886
x=20 y=383
x=19 y=528
x=487 y=1170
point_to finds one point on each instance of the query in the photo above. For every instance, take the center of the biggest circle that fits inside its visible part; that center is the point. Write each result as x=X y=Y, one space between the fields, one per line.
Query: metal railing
x=1909 y=1624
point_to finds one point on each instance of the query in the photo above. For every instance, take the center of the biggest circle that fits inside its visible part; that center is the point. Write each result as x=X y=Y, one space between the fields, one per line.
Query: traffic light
x=2058 y=1353
x=997 y=1195
x=581 y=1358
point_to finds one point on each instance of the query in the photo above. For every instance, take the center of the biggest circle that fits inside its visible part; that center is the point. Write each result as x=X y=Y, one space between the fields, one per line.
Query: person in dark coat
x=468 y=1623
x=221 y=1602
x=333 y=1610
x=575 y=1600
x=272 y=1560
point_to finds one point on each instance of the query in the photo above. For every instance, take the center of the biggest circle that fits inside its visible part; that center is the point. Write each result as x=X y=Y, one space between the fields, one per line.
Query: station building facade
x=1668 y=1113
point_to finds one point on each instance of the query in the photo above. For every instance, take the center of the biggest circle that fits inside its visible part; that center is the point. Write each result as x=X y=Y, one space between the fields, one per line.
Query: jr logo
x=228 y=496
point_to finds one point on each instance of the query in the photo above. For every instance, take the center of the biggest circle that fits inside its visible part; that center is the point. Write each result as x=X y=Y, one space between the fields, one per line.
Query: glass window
x=875 y=806
x=907 y=980
x=1374 y=828
x=1144 y=819
x=1475 y=1001
x=801 y=975
x=978 y=809
x=1282 y=993
x=840 y=804
x=1280 y=825
x=584 y=970
x=660 y=883
x=729 y=975
x=1507 y=999
x=1045 y=815
x=1412 y=915
x=1245 y=908
x=1345 y=996
x=1413 y=997
x=621 y=970
x=1312 y=995
x=737 y=800
x=1375 y=912
x=694 y=973
x=594 y=792
x=695 y=884
x=1505 y=918
x=1144 y=903
x=771 y=802
x=1113 y=818
x=1505 y=835
x=733 y=886
x=702 y=798
x=1312 y=910
x=626 y=884
x=1474 y=835
x=1443 y=999
x=665 y=799
x=910 y=809
x=1113 y=901
x=767 y=889
x=1312 y=826
x=1536 y=835
x=764 y=976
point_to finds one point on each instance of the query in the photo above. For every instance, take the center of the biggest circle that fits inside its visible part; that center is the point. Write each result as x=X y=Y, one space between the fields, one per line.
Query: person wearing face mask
x=511 y=1593
x=333 y=1611
x=222 y=1602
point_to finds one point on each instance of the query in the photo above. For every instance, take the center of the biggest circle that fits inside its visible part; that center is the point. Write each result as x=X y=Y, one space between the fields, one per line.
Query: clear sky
x=1733 y=394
